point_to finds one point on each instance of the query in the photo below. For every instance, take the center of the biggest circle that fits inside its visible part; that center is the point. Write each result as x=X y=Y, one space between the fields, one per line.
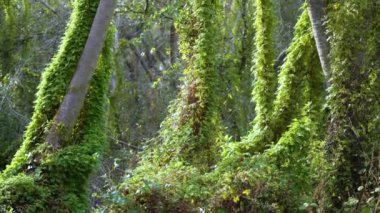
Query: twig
x=126 y=143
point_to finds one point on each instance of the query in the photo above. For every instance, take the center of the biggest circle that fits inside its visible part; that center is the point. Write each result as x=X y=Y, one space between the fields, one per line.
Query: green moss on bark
x=60 y=177
x=54 y=82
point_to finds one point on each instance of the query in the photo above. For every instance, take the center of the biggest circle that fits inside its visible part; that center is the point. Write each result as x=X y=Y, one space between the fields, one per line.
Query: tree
x=196 y=110
x=317 y=13
x=353 y=126
x=313 y=145
x=245 y=165
x=191 y=134
x=264 y=73
x=73 y=101
x=38 y=174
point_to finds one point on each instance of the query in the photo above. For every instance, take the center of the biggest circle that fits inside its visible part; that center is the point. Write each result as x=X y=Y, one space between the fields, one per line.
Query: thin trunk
x=173 y=44
x=317 y=12
x=73 y=101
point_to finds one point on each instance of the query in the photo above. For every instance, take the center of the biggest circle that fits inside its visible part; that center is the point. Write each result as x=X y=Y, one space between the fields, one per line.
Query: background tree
x=36 y=39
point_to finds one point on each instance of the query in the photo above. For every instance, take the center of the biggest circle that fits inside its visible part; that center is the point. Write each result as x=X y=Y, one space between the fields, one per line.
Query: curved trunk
x=289 y=100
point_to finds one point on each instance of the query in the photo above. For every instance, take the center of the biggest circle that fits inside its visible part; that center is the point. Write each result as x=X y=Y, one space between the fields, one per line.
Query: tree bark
x=316 y=9
x=173 y=44
x=73 y=101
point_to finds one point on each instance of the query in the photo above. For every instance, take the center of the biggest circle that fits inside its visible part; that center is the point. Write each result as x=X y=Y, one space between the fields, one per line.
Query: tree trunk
x=263 y=70
x=353 y=127
x=69 y=109
x=317 y=12
x=173 y=44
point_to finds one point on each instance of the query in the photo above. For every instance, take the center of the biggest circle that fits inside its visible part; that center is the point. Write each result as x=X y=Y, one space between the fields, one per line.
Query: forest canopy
x=189 y=106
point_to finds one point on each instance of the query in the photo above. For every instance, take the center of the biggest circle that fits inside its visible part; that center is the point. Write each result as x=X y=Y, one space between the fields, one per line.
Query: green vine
x=353 y=100
x=47 y=181
x=263 y=69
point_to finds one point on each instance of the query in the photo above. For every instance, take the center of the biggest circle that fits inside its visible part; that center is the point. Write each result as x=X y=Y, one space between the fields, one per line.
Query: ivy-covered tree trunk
x=47 y=180
x=192 y=130
x=73 y=101
x=278 y=162
x=265 y=79
x=354 y=126
x=287 y=102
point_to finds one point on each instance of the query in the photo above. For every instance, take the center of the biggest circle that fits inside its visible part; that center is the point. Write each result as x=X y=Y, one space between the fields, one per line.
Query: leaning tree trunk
x=46 y=180
x=69 y=109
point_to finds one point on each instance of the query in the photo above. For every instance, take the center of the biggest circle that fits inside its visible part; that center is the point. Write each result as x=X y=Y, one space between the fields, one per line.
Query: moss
x=268 y=179
x=62 y=175
x=190 y=137
x=21 y=193
x=54 y=81
x=69 y=169
x=279 y=178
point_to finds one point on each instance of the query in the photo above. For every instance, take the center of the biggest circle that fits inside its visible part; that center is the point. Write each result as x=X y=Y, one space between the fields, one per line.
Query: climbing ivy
x=46 y=180
x=244 y=182
x=281 y=182
x=263 y=69
x=54 y=82
x=189 y=138
x=192 y=131
x=288 y=101
x=354 y=101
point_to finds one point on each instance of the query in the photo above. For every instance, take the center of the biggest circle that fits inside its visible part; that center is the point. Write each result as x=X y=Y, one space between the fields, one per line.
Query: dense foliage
x=195 y=106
